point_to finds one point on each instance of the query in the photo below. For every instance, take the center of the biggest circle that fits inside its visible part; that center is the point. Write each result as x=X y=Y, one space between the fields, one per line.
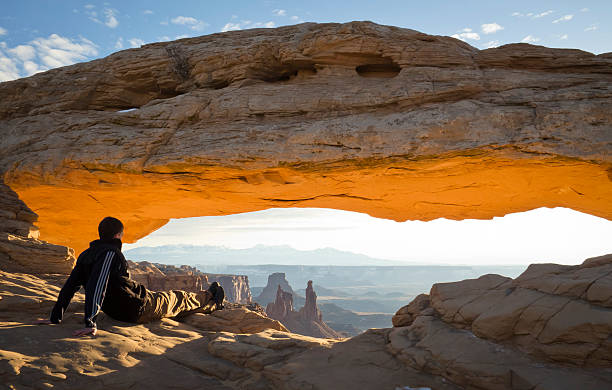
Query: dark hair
x=108 y=227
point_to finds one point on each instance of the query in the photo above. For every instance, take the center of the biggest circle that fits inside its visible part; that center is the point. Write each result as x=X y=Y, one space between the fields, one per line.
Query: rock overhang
x=356 y=116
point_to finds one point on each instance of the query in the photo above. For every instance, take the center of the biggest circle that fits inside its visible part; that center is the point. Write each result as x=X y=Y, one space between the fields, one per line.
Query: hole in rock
x=385 y=70
x=282 y=72
x=364 y=268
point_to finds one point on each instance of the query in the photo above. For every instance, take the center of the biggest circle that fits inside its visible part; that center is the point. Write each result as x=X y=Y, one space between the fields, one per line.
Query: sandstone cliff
x=20 y=248
x=356 y=116
x=160 y=277
x=307 y=321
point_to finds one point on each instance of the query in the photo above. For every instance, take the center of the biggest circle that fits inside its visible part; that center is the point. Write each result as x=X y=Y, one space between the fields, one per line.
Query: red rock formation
x=308 y=321
x=282 y=306
x=20 y=248
x=160 y=277
x=356 y=116
x=270 y=292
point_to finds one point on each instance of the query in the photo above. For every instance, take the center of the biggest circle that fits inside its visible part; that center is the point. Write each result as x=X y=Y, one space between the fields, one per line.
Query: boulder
x=552 y=312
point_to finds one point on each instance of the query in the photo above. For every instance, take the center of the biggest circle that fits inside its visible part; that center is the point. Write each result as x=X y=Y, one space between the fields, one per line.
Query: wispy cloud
x=89 y=6
x=542 y=14
x=532 y=15
x=111 y=20
x=491 y=44
x=530 y=39
x=294 y=17
x=147 y=12
x=110 y=16
x=563 y=37
x=585 y=10
x=3 y=31
x=136 y=42
x=231 y=26
x=466 y=33
x=42 y=54
x=592 y=27
x=191 y=22
x=119 y=44
x=490 y=28
x=280 y=12
x=564 y=18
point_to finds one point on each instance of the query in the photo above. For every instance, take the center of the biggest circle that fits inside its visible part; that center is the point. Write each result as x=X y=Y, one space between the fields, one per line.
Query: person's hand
x=85 y=332
x=42 y=322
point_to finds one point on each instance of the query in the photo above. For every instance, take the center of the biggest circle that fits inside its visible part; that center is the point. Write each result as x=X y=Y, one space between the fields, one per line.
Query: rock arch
x=249 y=120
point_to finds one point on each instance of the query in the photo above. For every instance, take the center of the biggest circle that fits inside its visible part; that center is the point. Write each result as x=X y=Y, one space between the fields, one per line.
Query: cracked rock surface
x=356 y=116
x=234 y=348
x=549 y=328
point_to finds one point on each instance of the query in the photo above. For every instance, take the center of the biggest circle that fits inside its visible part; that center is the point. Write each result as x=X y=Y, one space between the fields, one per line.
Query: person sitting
x=103 y=271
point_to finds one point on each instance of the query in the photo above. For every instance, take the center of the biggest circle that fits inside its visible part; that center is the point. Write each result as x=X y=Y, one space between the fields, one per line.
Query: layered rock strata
x=307 y=321
x=20 y=248
x=496 y=333
x=435 y=344
x=162 y=277
x=356 y=116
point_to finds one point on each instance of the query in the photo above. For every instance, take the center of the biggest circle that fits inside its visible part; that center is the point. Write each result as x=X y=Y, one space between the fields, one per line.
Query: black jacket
x=103 y=271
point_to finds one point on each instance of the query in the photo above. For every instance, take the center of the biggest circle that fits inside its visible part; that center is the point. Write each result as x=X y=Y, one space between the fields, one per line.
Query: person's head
x=110 y=228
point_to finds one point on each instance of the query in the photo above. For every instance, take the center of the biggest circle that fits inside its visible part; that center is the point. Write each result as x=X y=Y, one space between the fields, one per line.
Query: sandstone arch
x=248 y=120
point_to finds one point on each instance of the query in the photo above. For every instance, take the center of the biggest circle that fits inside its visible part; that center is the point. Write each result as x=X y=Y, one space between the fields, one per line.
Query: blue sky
x=37 y=35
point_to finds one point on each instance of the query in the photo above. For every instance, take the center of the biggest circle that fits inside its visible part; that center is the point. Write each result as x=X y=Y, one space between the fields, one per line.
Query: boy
x=103 y=271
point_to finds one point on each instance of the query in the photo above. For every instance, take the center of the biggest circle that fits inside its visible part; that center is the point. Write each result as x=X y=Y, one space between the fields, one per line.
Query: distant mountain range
x=260 y=254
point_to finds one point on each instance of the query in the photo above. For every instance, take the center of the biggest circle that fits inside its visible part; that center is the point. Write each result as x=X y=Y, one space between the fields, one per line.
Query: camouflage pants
x=164 y=304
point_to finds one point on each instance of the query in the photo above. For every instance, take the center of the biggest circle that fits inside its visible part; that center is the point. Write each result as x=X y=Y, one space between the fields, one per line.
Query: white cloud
x=584 y=10
x=563 y=18
x=182 y=36
x=193 y=23
x=8 y=68
x=136 y=42
x=23 y=52
x=3 y=31
x=164 y=23
x=163 y=38
x=467 y=33
x=58 y=51
x=533 y=15
x=294 y=17
x=280 y=12
x=184 y=20
x=591 y=28
x=530 y=39
x=119 y=44
x=43 y=54
x=231 y=27
x=491 y=44
x=147 y=12
x=89 y=6
x=491 y=28
x=111 y=20
x=542 y=14
x=563 y=37
x=246 y=24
